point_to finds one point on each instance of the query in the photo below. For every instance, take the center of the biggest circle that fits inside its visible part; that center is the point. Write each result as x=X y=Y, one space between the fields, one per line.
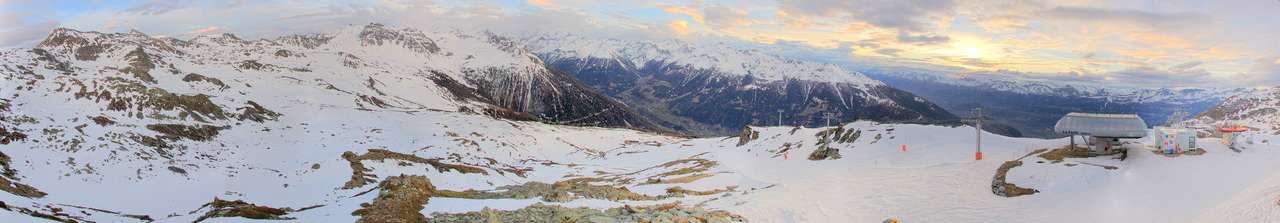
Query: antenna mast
x=828 y=116
x=780 y=117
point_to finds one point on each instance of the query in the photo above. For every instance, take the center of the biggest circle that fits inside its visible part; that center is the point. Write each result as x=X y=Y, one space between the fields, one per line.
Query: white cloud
x=1145 y=18
x=724 y=17
x=904 y=37
x=154 y=7
x=206 y=30
x=910 y=15
x=16 y=30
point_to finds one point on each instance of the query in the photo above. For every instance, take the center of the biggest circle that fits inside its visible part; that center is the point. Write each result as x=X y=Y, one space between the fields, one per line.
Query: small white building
x=1173 y=140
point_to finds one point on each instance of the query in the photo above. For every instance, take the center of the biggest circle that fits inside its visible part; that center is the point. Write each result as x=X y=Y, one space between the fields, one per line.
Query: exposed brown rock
x=193 y=77
x=1057 y=155
x=673 y=212
x=359 y=177
x=251 y=65
x=747 y=135
x=219 y=208
x=140 y=65
x=7 y=136
x=176 y=131
x=255 y=112
x=1005 y=189
x=15 y=188
x=678 y=191
x=400 y=199
x=103 y=120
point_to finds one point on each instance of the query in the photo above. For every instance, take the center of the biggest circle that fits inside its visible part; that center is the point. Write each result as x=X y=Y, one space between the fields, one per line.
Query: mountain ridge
x=715 y=89
x=1033 y=106
x=513 y=81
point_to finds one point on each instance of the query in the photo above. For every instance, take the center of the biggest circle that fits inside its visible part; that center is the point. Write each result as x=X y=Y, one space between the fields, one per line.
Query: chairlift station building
x=1102 y=132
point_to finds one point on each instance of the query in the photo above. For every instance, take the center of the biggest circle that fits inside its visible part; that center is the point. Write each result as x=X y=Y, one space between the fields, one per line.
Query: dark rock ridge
x=707 y=102
x=1033 y=114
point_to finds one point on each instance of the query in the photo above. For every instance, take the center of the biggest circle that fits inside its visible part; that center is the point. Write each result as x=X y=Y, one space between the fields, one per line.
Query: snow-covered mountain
x=371 y=67
x=170 y=124
x=715 y=88
x=1258 y=109
x=1033 y=106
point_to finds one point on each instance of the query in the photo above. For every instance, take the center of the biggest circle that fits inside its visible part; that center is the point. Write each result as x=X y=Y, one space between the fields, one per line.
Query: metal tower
x=977 y=120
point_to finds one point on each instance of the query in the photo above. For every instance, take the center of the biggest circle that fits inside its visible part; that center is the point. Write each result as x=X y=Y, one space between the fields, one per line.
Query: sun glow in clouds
x=679 y=27
x=971 y=51
x=970 y=47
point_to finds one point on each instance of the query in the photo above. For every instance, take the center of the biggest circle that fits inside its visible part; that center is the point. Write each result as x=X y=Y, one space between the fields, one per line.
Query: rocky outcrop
x=562 y=191
x=400 y=199
x=219 y=208
x=838 y=135
x=361 y=177
x=747 y=135
x=549 y=213
x=1002 y=188
x=1000 y=185
x=9 y=183
x=178 y=131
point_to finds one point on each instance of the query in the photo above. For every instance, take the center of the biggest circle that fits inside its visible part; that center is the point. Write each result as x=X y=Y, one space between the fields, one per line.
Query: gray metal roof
x=1102 y=125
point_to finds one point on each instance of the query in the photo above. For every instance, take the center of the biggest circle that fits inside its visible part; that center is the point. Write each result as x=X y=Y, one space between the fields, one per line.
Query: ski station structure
x=1101 y=132
x=1174 y=137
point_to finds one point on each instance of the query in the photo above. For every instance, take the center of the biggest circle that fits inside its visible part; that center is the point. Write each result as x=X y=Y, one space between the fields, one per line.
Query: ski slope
x=934 y=180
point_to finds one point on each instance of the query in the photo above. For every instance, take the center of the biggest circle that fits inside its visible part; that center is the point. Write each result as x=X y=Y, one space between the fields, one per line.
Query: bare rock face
x=400 y=200
x=378 y=34
x=747 y=135
x=823 y=153
x=219 y=208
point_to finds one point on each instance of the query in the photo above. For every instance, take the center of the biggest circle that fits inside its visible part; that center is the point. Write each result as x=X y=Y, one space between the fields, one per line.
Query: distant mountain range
x=1034 y=106
x=715 y=88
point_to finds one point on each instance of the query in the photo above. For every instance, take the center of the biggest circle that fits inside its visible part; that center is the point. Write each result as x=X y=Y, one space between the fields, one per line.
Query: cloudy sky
x=1139 y=43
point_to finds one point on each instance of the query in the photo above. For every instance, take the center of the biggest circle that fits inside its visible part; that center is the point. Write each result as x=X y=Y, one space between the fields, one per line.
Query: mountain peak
x=230 y=36
x=379 y=34
x=374 y=25
x=218 y=39
x=719 y=58
x=135 y=32
x=63 y=36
